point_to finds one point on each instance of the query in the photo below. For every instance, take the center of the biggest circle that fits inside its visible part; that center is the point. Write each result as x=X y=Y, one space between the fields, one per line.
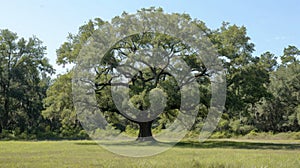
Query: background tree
x=281 y=112
x=24 y=79
x=247 y=77
x=59 y=108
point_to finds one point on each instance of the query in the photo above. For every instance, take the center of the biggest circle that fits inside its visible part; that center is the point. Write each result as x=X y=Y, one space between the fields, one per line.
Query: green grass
x=217 y=153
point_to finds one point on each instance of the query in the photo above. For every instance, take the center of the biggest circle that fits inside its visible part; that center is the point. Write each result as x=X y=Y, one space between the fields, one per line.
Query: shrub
x=217 y=135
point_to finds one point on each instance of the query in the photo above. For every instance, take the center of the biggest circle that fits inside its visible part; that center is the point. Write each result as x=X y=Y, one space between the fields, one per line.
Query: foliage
x=262 y=91
x=24 y=79
x=149 y=75
x=59 y=110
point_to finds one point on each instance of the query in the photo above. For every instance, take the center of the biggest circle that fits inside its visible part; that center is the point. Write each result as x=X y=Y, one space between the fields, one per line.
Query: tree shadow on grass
x=210 y=144
x=239 y=145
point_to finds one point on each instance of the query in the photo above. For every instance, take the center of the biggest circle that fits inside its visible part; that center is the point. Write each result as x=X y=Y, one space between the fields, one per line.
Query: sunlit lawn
x=208 y=154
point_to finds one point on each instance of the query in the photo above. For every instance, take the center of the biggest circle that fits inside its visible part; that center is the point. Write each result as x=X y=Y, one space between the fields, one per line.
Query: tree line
x=262 y=91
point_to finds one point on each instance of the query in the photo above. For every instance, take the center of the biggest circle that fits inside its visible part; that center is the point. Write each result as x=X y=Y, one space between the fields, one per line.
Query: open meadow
x=212 y=153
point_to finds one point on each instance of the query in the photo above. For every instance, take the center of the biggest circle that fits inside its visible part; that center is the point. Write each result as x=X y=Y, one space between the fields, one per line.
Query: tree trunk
x=145 y=132
x=4 y=119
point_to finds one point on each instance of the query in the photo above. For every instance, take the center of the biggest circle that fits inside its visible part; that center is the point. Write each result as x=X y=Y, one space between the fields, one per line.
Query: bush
x=105 y=134
x=252 y=133
x=246 y=129
x=296 y=135
x=83 y=135
x=6 y=135
x=130 y=131
x=217 y=135
x=271 y=136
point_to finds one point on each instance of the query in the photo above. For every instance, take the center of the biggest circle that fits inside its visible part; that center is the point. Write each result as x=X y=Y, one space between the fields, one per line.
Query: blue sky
x=272 y=25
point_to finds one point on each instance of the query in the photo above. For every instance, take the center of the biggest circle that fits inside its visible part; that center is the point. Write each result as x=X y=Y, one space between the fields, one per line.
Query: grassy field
x=217 y=153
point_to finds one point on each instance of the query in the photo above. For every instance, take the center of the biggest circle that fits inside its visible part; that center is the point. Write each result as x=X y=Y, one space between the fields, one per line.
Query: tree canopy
x=144 y=78
x=24 y=72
